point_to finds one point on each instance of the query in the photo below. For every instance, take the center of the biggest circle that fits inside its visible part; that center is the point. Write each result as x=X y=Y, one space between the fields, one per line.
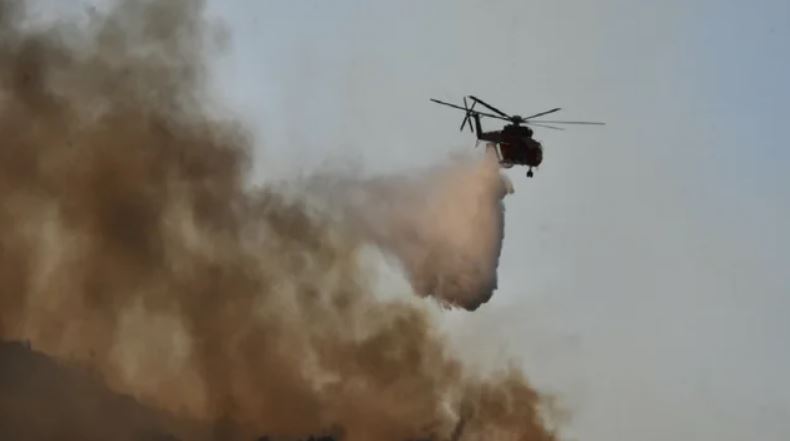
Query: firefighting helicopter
x=514 y=144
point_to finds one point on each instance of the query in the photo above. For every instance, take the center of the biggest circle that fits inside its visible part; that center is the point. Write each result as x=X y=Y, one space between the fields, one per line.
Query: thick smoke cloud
x=131 y=246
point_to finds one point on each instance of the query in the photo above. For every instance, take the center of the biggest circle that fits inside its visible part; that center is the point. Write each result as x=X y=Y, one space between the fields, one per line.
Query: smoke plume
x=444 y=224
x=131 y=245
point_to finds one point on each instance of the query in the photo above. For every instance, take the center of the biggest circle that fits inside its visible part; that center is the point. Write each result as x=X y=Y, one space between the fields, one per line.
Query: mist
x=133 y=247
x=444 y=225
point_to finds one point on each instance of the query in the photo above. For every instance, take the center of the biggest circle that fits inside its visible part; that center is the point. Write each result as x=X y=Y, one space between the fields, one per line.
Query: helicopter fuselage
x=528 y=153
x=515 y=145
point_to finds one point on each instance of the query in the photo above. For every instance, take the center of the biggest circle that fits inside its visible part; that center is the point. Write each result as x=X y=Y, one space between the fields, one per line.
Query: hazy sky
x=644 y=276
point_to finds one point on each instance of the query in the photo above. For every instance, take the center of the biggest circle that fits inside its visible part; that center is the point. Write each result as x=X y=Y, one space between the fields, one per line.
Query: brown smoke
x=130 y=245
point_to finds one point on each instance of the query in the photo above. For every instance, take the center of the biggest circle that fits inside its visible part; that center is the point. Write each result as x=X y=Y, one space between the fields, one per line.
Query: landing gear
x=529 y=173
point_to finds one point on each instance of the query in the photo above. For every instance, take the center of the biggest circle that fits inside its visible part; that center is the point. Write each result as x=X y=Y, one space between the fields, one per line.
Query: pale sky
x=644 y=275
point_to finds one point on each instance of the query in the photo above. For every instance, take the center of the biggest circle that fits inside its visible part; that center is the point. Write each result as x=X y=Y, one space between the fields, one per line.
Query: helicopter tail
x=478 y=126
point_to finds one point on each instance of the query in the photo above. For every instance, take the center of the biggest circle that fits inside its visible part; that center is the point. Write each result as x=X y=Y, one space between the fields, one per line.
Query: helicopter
x=514 y=144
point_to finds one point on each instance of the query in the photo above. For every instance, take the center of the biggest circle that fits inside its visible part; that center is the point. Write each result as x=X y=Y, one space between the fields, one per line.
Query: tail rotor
x=467 y=117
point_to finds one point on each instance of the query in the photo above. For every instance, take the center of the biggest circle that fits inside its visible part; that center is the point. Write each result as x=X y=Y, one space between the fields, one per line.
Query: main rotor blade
x=543 y=125
x=490 y=106
x=447 y=104
x=543 y=113
x=594 y=123
x=489 y=115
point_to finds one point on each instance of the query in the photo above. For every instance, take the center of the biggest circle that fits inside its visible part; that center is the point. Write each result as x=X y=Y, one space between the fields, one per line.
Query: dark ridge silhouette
x=43 y=399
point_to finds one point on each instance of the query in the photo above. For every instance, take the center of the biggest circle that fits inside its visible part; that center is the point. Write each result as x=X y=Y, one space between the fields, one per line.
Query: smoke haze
x=131 y=246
